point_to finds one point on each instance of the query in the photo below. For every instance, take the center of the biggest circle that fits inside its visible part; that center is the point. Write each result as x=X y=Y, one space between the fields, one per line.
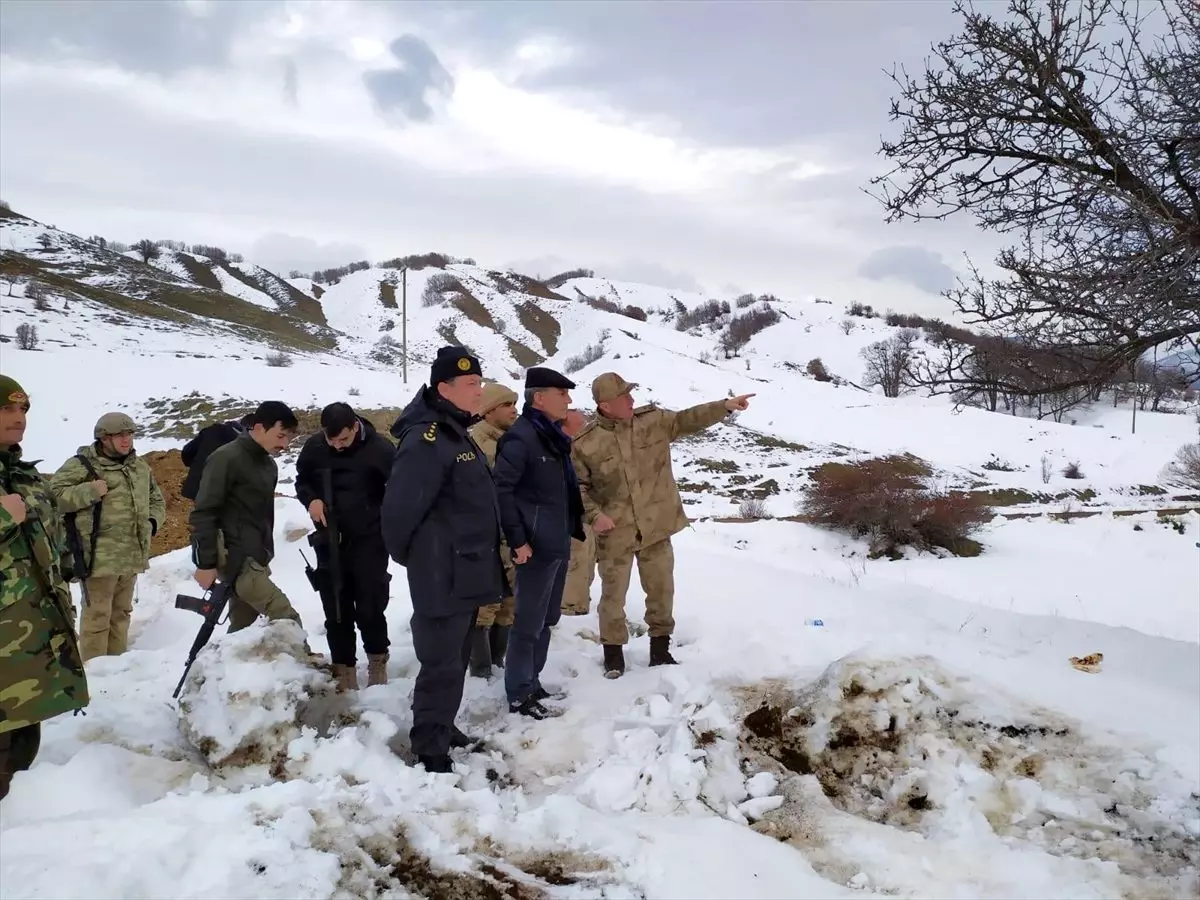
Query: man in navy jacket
x=540 y=511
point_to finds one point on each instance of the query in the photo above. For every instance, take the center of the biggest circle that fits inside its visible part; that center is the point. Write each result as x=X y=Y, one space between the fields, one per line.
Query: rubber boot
x=346 y=677
x=499 y=641
x=481 y=653
x=660 y=653
x=377 y=669
x=614 y=661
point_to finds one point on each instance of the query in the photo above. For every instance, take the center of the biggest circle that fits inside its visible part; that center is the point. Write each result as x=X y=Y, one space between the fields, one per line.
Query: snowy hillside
x=838 y=726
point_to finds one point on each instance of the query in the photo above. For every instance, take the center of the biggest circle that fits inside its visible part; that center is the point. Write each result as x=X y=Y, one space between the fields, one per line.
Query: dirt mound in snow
x=169 y=471
x=904 y=743
x=251 y=693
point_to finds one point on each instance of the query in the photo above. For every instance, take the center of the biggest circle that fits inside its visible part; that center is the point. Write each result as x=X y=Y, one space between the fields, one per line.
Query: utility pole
x=404 y=322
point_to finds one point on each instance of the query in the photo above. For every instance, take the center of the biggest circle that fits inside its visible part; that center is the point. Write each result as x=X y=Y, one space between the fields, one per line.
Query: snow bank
x=249 y=695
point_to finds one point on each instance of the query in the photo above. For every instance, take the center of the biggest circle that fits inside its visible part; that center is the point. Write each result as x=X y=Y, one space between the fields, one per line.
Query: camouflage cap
x=12 y=392
x=496 y=395
x=113 y=423
x=610 y=386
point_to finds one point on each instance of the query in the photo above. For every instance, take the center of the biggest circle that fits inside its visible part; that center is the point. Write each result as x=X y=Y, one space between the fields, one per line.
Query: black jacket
x=536 y=503
x=440 y=518
x=195 y=452
x=358 y=476
x=237 y=499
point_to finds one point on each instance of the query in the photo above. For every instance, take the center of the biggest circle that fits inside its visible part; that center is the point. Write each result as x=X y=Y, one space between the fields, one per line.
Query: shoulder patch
x=430 y=433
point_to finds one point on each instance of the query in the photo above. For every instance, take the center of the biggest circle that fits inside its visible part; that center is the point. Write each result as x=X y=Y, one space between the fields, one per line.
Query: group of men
x=494 y=513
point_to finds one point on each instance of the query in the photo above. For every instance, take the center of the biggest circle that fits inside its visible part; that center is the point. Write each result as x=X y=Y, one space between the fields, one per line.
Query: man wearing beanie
x=37 y=617
x=490 y=640
x=441 y=522
x=113 y=507
x=541 y=510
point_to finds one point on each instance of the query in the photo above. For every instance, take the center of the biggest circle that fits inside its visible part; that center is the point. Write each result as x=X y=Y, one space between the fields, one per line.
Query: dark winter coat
x=539 y=498
x=440 y=517
x=236 y=499
x=195 y=452
x=358 y=476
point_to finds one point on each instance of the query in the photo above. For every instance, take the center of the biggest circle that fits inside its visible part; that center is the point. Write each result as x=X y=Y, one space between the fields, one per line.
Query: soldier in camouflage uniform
x=110 y=474
x=623 y=460
x=577 y=595
x=41 y=672
x=489 y=640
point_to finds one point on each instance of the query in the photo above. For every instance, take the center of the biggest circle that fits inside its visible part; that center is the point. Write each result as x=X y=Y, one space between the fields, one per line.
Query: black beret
x=540 y=377
x=452 y=362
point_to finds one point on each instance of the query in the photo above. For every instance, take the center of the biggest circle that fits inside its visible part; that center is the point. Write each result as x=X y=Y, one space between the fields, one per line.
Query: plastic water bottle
x=816 y=623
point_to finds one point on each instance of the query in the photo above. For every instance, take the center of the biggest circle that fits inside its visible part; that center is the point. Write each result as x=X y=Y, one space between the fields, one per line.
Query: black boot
x=660 y=653
x=459 y=740
x=436 y=763
x=614 y=661
x=499 y=641
x=481 y=654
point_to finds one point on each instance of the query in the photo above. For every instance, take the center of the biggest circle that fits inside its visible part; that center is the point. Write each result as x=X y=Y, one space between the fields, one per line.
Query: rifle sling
x=73 y=529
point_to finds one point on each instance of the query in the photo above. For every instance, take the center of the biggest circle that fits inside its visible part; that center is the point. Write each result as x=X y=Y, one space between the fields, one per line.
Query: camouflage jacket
x=624 y=470
x=486 y=436
x=130 y=513
x=41 y=671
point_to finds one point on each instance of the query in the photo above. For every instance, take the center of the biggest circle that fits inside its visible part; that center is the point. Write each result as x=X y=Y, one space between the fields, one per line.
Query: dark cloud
x=918 y=266
x=405 y=90
x=156 y=37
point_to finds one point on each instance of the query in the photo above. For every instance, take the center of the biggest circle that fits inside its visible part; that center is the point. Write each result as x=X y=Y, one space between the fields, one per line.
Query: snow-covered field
x=928 y=738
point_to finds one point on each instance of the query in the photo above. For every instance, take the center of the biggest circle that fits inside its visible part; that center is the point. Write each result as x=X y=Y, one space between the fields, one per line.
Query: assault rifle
x=329 y=537
x=211 y=606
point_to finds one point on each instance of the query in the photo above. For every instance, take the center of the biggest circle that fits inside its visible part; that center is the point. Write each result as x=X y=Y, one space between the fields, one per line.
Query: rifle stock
x=211 y=606
x=335 y=540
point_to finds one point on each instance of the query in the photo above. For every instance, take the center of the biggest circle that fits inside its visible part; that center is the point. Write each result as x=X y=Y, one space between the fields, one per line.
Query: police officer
x=442 y=523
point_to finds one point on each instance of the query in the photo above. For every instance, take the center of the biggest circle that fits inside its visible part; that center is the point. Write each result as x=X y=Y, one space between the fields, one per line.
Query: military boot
x=660 y=653
x=481 y=653
x=346 y=677
x=614 y=661
x=377 y=669
x=499 y=641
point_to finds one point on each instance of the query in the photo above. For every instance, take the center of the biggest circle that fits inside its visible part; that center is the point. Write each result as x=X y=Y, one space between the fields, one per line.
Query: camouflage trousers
x=18 y=749
x=256 y=595
x=577 y=595
x=104 y=629
x=501 y=613
x=656 y=570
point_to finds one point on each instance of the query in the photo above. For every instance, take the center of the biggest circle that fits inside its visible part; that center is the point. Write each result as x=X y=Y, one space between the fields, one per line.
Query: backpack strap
x=96 y=509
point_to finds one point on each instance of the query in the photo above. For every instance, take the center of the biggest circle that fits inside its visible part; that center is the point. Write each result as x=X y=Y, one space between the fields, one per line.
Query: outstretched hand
x=736 y=404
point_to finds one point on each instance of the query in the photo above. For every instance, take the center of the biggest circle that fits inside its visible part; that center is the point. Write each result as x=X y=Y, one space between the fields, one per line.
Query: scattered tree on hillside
x=295 y=273
x=45 y=241
x=554 y=282
x=890 y=363
x=219 y=255
x=816 y=368
x=333 y=276
x=4 y=205
x=147 y=249
x=27 y=336
x=1065 y=124
x=1184 y=470
x=1156 y=382
x=97 y=241
x=39 y=294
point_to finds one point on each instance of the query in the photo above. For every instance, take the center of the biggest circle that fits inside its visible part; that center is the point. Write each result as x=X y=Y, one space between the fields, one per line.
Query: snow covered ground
x=929 y=738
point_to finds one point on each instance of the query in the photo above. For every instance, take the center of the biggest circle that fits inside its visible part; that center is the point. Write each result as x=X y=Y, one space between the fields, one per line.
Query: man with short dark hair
x=541 y=510
x=441 y=522
x=341 y=475
x=233 y=522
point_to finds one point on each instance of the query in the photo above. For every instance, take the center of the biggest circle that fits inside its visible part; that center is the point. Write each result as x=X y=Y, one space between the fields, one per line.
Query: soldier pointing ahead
x=623 y=461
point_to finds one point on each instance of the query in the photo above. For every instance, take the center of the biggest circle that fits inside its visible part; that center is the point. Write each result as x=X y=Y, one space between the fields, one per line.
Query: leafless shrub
x=863 y=310
x=278 y=360
x=590 y=354
x=743 y=327
x=1184 y=470
x=1072 y=470
x=554 y=282
x=704 y=314
x=745 y=300
x=387 y=350
x=1047 y=471
x=436 y=288
x=27 y=336
x=753 y=508
x=817 y=370
x=847 y=326
x=887 y=500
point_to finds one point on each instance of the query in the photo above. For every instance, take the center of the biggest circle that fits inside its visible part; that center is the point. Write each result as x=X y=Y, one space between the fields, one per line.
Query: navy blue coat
x=537 y=505
x=440 y=517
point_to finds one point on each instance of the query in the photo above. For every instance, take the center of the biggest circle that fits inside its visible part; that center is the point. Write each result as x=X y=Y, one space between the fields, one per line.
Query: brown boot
x=346 y=677
x=377 y=669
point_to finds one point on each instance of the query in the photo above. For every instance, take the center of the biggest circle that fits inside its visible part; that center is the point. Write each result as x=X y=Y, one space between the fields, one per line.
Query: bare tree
x=147 y=249
x=890 y=363
x=1184 y=470
x=27 y=336
x=1155 y=382
x=1063 y=124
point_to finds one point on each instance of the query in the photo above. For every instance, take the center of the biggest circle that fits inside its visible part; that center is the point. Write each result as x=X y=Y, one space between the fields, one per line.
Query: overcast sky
x=721 y=146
